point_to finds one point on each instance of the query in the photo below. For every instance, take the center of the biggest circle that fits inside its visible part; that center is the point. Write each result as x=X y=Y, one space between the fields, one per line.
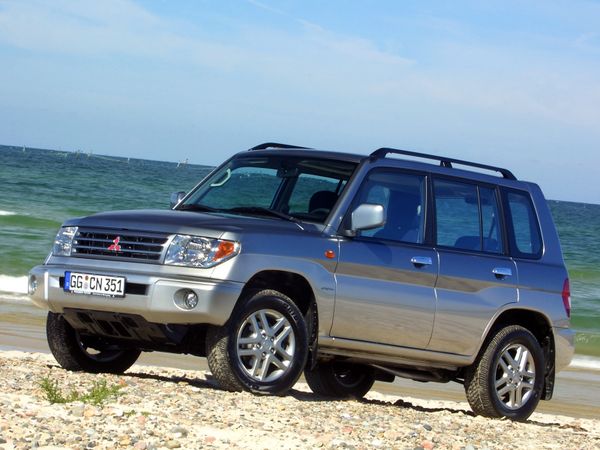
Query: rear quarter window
x=524 y=231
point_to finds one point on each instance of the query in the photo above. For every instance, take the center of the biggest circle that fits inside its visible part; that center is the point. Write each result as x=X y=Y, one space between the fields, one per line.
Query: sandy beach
x=169 y=401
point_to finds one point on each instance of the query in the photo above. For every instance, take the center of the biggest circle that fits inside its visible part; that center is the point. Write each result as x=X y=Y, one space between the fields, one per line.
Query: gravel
x=160 y=408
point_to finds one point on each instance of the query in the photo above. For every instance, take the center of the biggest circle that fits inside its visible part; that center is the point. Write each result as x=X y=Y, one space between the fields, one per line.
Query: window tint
x=467 y=217
x=457 y=215
x=526 y=240
x=403 y=197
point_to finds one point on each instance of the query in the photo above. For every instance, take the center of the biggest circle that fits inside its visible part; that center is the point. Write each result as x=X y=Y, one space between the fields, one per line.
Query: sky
x=508 y=83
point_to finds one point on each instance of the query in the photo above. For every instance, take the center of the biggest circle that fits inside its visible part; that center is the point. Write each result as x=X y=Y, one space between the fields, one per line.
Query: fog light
x=190 y=300
x=186 y=299
x=33 y=284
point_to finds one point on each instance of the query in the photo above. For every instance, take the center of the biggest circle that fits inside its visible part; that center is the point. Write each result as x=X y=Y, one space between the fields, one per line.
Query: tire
x=262 y=348
x=72 y=354
x=340 y=380
x=495 y=388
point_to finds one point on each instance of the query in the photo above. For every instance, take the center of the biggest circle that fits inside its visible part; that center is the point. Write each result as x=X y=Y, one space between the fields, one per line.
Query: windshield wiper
x=197 y=207
x=261 y=211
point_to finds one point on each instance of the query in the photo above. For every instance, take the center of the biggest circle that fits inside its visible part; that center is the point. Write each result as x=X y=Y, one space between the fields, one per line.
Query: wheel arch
x=292 y=284
x=540 y=326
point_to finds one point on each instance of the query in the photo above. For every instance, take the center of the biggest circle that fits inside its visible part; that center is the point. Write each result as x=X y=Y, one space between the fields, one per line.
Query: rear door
x=386 y=276
x=476 y=275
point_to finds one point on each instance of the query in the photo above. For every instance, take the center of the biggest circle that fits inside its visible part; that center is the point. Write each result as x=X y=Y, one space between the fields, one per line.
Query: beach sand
x=164 y=392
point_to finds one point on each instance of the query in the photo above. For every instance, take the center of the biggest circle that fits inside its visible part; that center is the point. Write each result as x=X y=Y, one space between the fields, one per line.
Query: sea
x=39 y=189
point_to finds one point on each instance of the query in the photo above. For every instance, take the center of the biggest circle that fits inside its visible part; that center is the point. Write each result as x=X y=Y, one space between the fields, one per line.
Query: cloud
x=107 y=28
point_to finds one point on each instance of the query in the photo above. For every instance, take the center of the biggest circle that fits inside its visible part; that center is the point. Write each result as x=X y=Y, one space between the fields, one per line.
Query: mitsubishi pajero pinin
x=286 y=260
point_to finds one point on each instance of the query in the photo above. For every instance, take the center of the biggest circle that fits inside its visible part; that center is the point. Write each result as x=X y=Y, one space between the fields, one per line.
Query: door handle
x=502 y=272
x=420 y=261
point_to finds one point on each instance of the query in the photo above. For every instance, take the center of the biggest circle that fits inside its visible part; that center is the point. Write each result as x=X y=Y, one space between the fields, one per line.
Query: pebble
x=179 y=432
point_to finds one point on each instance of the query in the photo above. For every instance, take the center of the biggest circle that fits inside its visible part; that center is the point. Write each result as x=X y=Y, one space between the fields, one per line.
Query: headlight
x=197 y=251
x=64 y=241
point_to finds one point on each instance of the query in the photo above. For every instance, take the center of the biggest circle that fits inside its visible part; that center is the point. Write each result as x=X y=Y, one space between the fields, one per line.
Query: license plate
x=85 y=283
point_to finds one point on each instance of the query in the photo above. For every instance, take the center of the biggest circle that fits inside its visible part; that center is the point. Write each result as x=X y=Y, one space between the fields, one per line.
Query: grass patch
x=98 y=393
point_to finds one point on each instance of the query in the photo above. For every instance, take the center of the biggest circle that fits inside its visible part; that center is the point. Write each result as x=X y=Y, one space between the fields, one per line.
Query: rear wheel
x=507 y=378
x=76 y=353
x=263 y=347
x=340 y=380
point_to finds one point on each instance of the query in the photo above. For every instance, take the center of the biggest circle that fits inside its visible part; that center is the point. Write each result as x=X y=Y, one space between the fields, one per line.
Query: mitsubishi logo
x=115 y=245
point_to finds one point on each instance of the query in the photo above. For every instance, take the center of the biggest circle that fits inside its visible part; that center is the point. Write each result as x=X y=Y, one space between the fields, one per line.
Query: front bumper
x=153 y=298
x=564 y=344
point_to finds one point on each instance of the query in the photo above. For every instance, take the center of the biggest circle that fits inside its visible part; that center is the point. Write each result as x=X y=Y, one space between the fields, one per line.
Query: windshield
x=297 y=188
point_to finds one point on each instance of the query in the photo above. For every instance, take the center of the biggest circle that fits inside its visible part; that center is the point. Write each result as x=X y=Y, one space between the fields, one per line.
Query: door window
x=402 y=196
x=467 y=217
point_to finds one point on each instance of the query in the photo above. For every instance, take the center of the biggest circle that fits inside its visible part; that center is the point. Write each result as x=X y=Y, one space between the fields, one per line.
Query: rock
x=179 y=432
x=427 y=427
x=141 y=445
x=427 y=445
x=90 y=411
x=77 y=409
x=173 y=444
x=209 y=439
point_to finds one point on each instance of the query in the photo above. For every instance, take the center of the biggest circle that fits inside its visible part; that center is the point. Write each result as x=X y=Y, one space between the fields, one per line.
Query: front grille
x=131 y=245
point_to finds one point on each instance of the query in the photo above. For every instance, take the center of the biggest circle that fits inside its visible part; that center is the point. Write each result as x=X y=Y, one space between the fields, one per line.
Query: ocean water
x=39 y=189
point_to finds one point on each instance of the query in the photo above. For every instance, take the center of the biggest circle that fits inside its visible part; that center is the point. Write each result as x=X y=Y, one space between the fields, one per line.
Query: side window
x=457 y=215
x=403 y=197
x=467 y=217
x=525 y=233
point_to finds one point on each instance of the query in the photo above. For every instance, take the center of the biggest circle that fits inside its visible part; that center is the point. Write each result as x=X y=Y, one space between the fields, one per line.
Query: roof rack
x=266 y=145
x=444 y=162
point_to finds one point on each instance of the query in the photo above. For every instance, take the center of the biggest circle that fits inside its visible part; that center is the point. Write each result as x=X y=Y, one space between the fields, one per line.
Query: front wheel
x=507 y=378
x=340 y=379
x=75 y=353
x=262 y=348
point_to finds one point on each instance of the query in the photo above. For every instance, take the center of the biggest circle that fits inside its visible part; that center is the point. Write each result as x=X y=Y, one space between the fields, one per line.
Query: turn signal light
x=224 y=249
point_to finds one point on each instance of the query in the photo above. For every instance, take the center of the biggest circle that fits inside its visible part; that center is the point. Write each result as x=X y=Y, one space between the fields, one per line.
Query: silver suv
x=348 y=268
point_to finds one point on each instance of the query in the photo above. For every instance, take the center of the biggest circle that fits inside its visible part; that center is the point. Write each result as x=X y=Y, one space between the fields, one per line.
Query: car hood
x=187 y=222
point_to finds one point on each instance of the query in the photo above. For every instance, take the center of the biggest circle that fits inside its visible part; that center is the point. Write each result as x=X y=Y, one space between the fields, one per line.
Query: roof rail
x=266 y=145
x=444 y=161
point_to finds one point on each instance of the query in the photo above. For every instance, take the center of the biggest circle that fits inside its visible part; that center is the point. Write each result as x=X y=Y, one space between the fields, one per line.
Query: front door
x=386 y=276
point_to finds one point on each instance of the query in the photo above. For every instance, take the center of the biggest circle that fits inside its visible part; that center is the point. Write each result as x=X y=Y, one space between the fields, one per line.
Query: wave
x=585 y=362
x=14 y=285
x=7 y=213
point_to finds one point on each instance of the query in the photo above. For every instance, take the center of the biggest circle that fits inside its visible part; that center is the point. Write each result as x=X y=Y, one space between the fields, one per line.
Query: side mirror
x=366 y=217
x=176 y=197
